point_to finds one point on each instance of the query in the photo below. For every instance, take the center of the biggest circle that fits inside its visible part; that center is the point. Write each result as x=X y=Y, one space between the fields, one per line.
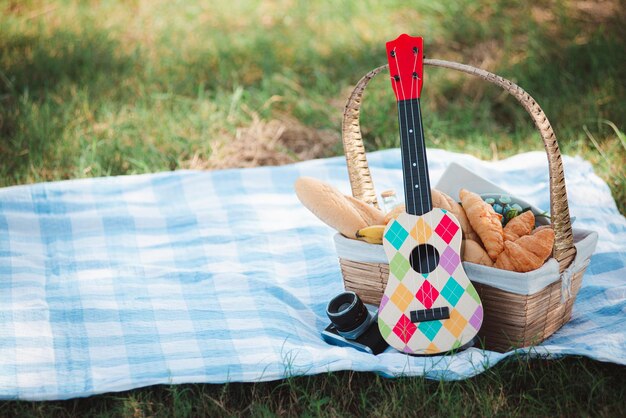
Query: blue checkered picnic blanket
x=115 y=283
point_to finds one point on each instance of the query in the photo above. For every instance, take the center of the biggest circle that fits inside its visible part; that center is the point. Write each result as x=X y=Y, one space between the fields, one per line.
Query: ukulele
x=429 y=305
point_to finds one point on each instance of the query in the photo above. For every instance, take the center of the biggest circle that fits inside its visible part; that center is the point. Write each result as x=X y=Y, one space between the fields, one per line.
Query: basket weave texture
x=511 y=320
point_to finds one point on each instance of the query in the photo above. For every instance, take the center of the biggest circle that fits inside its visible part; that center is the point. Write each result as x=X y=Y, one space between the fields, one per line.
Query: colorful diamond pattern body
x=396 y=235
x=446 y=286
x=384 y=329
x=402 y=297
x=452 y=291
x=399 y=266
x=430 y=328
x=477 y=318
x=471 y=290
x=456 y=324
x=449 y=260
x=383 y=302
x=404 y=329
x=421 y=232
x=427 y=294
x=446 y=229
x=432 y=349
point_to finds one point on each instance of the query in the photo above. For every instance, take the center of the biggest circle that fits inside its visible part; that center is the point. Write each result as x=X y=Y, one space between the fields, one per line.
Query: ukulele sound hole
x=424 y=258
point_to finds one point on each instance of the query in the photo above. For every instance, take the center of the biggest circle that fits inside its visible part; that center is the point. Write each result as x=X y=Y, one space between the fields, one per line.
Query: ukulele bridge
x=433 y=314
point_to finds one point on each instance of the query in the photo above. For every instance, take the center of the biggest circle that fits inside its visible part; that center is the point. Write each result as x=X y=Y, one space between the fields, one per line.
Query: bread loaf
x=475 y=253
x=334 y=208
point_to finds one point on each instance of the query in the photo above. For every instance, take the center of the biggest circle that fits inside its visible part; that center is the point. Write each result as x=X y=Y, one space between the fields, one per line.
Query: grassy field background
x=97 y=88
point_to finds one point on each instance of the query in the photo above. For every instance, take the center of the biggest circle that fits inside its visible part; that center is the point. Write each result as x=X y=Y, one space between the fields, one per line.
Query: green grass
x=105 y=88
x=565 y=387
x=96 y=88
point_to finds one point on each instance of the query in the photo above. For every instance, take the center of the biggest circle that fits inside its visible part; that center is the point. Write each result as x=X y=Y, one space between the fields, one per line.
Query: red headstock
x=406 y=66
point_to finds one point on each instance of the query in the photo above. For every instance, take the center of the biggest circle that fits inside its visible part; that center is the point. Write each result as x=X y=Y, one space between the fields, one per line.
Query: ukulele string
x=416 y=157
x=398 y=106
x=428 y=197
x=423 y=227
x=395 y=55
x=406 y=119
x=414 y=133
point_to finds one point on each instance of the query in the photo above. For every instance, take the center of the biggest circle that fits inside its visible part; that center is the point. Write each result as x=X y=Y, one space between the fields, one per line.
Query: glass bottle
x=390 y=200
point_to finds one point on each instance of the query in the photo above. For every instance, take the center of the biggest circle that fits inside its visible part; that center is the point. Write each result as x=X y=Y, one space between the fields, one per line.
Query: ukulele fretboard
x=414 y=164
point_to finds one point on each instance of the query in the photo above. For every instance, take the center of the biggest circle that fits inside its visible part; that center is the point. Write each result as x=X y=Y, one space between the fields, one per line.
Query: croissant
x=541 y=227
x=485 y=221
x=527 y=253
x=475 y=253
x=519 y=226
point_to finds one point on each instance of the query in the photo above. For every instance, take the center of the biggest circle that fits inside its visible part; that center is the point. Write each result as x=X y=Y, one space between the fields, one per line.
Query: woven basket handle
x=361 y=180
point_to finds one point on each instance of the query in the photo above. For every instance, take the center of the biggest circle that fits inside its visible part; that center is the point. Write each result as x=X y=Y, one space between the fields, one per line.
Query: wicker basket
x=511 y=320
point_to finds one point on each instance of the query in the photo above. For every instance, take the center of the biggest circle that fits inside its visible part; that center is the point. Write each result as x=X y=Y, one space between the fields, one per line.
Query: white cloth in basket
x=510 y=281
x=452 y=180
